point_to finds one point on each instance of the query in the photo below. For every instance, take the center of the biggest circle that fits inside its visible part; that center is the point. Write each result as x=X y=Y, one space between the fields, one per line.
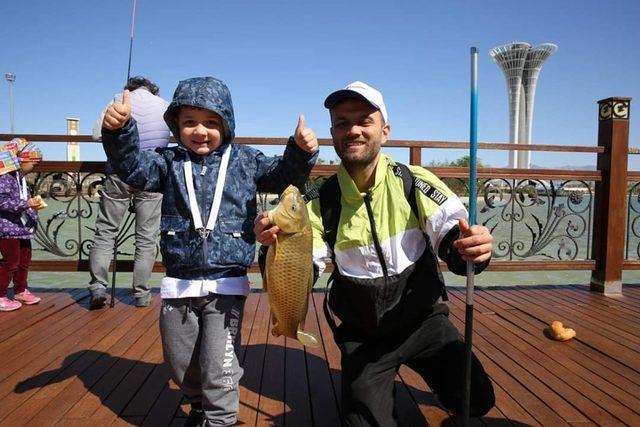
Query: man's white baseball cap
x=358 y=90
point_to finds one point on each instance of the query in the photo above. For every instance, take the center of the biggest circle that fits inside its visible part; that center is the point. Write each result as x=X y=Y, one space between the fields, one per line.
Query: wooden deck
x=62 y=364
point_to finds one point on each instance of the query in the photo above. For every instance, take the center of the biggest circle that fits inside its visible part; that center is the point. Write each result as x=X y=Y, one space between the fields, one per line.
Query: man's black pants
x=434 y=350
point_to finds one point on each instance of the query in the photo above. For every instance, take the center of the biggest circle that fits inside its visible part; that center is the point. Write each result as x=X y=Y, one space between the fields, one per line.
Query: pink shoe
x=27 y=298
x=7 y=304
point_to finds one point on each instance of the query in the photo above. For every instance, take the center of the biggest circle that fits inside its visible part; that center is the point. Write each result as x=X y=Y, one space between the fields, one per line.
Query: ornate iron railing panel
x=534 y=219
x=531 y=219
x=632 y=236
x=67 y=225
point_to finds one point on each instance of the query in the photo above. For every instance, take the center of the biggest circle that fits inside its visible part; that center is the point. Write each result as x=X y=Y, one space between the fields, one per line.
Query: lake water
x=502 y=233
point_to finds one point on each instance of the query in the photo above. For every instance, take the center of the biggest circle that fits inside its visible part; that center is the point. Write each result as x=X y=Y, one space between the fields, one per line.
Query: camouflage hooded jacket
x=229 y=250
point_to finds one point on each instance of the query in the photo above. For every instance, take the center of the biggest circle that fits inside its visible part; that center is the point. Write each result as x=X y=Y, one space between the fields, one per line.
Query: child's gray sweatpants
x=200 y=341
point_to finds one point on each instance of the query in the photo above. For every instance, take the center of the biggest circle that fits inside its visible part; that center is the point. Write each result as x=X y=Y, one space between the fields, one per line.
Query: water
x=66 y=231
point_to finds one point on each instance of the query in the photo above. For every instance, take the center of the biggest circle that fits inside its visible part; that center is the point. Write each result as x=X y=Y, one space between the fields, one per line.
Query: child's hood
x=202 y=92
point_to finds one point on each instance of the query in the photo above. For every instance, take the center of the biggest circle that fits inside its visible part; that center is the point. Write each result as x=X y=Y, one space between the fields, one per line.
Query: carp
x=288 y=272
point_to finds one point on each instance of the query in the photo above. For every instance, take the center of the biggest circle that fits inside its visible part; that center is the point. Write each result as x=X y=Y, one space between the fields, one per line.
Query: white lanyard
x=22 y=184
x=217 y=197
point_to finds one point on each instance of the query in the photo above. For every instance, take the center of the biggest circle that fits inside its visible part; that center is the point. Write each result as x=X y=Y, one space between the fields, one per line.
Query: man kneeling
x=384 y=225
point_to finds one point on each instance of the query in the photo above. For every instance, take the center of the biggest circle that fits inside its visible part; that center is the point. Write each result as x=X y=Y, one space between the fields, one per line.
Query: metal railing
x=541 y=219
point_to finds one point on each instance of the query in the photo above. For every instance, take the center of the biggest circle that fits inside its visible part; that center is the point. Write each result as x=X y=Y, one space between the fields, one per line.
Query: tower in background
x=521 y=65
x=73 y=149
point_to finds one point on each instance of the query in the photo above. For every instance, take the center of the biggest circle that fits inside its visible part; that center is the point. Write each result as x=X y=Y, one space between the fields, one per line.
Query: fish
x=288 y=272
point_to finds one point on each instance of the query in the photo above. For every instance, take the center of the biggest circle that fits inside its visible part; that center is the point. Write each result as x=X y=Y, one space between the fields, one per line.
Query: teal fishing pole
x=468 y=318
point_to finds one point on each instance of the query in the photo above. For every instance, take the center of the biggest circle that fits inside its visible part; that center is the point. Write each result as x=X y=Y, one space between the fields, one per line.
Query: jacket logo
x=431 y=192
x=312 y=193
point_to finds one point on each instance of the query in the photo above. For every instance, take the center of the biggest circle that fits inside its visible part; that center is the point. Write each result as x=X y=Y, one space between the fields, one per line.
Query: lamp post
x=10 y=79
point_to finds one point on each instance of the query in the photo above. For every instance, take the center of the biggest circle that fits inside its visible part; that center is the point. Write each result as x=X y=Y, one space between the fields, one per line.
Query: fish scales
x=290 y=271
x=288 y=275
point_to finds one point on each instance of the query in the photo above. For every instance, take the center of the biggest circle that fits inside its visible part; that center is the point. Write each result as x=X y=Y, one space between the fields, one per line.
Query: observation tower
x=521 y=65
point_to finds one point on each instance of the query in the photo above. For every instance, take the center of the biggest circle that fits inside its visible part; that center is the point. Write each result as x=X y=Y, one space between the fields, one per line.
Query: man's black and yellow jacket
x=387 y=278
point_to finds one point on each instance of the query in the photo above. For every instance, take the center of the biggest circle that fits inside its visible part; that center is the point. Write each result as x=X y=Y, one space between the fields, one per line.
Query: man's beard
x=360 y=159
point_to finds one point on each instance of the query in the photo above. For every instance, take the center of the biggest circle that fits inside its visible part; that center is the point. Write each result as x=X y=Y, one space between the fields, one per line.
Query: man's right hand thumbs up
x=118 y=114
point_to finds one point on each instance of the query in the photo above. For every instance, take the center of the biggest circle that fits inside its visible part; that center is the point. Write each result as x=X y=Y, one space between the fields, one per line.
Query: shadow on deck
x=63 y=364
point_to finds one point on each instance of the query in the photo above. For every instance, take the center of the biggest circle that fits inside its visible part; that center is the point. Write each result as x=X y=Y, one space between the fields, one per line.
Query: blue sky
x=281 y=58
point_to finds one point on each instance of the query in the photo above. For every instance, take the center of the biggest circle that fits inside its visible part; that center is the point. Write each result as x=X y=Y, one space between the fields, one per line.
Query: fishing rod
x=468 y=317
x=133 y=25
x=115 y=243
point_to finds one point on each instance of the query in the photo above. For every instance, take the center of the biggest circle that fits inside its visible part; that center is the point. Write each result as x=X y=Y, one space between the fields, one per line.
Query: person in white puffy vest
x=117 y=197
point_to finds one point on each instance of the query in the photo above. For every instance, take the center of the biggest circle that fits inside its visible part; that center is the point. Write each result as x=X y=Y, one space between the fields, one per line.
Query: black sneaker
x=97 y=298
x=194 y=419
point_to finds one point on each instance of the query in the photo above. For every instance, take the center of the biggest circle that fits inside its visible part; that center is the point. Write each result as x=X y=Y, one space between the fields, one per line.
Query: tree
x=461 y=185
x=464 y=161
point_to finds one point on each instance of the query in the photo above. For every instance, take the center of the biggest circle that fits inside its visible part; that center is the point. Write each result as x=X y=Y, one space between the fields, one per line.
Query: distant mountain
x=570 y=167
x=533 y=166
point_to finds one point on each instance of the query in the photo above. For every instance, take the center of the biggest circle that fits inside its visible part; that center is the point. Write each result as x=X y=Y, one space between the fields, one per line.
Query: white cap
x=358 y=90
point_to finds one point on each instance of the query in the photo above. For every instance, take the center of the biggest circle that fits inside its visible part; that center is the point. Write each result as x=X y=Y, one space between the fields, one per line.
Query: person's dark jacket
x=229 y=250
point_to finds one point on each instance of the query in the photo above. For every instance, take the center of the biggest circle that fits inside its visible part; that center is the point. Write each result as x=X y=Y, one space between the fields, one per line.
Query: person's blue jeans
x=116 y=196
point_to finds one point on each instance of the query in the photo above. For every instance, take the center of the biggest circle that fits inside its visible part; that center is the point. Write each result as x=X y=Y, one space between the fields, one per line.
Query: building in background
x=73 y=148
x=521 y=65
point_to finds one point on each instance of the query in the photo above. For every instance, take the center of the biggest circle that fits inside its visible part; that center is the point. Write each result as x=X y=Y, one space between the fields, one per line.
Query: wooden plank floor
x=61 y=364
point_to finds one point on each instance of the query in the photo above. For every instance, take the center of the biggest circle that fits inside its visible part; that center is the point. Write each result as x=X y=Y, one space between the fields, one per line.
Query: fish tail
x=307 y=339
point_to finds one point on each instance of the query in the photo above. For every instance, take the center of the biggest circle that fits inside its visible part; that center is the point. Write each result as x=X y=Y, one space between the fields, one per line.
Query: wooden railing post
x=415 y=156
x=610 y=195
